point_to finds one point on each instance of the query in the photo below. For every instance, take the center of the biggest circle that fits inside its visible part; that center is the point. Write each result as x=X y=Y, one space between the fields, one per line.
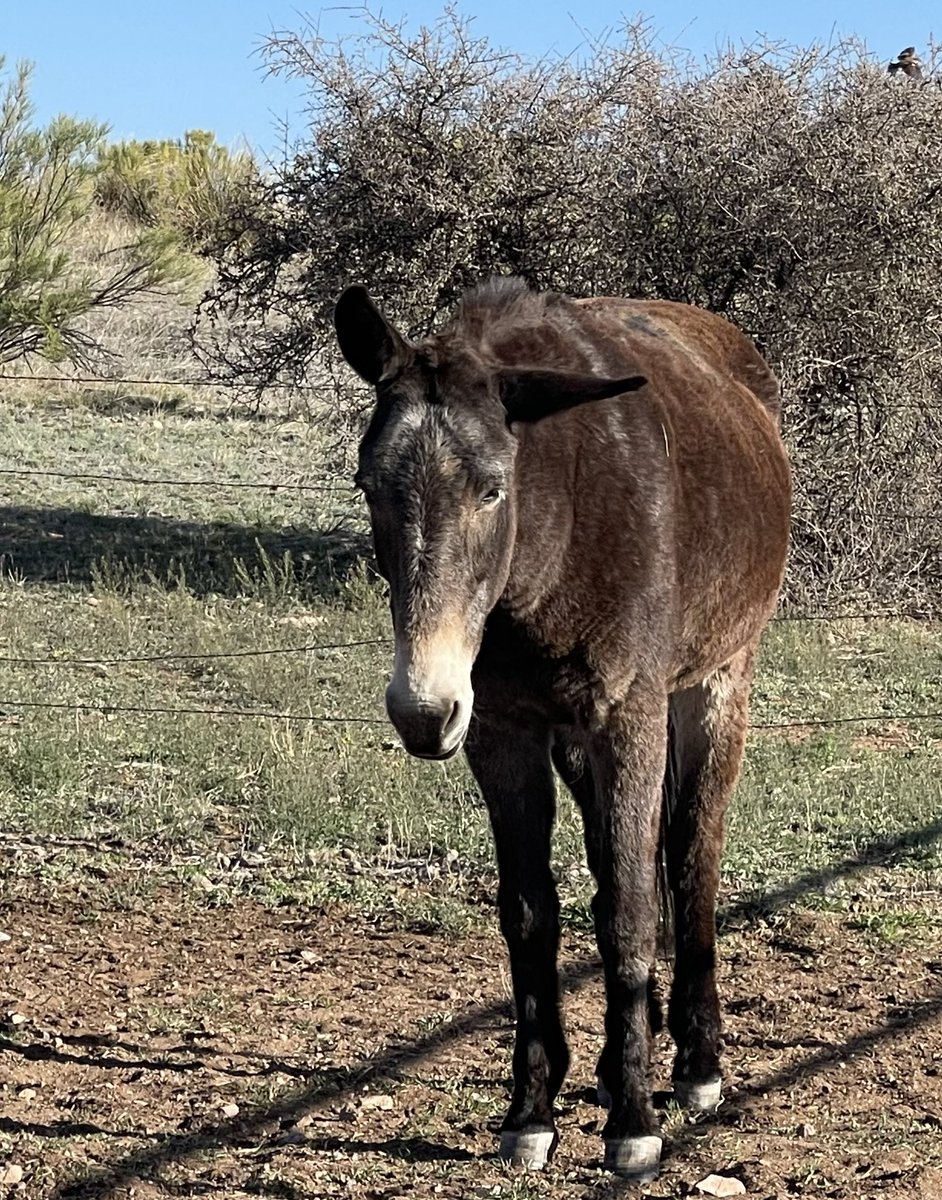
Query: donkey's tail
x=670 y=792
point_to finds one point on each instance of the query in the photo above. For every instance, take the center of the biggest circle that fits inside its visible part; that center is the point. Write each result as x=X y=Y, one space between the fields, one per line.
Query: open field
x=289 y=915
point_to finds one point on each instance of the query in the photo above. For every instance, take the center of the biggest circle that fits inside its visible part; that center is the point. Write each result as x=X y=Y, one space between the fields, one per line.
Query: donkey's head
x=437 y=467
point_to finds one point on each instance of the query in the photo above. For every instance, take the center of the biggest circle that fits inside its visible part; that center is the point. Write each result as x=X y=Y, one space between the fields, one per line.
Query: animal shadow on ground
x=61 y=545
x=395 y=1059
x=406 y=1149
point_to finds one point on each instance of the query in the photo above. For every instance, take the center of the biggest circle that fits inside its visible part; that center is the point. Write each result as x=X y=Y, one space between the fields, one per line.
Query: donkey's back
x=662 y=517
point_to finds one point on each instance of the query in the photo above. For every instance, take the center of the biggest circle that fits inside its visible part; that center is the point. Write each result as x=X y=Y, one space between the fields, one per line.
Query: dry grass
x=149 y=570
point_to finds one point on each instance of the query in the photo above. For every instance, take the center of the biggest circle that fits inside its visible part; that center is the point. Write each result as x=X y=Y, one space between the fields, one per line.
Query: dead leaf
x=382 y=1102
x=721 y=1185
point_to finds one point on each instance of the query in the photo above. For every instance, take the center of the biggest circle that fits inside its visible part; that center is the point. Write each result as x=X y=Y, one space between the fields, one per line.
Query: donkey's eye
x=494 y=496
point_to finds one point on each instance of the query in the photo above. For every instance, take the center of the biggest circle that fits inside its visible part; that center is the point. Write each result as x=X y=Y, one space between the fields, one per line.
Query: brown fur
x=613 y=595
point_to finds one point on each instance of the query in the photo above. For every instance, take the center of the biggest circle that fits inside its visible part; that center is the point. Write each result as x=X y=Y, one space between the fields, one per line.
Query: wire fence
x=798 y=723
x=158 y=710
x=307 y=648
x=126 y=381
x=805 y=723
x=207 y=381
x=271 y=485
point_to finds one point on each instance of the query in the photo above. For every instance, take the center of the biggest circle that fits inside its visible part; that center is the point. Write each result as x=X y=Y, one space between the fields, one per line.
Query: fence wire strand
x=157 y=481
x=311 y=648
x=222 y=386
x=336 y=719
x=864 y=718
x=114 y=381
x=156 y=710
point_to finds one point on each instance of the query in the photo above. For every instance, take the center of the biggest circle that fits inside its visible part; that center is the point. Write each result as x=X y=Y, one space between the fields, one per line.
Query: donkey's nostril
x=454 y=719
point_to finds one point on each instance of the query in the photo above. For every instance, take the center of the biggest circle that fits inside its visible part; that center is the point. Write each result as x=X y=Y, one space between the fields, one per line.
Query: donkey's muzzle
x=430 y=726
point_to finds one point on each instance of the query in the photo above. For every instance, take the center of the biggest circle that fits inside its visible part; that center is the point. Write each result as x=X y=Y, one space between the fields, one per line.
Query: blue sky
x=155 y=70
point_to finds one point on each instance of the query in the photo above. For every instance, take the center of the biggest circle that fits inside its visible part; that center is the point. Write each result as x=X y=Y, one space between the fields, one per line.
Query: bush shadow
x=67 y=546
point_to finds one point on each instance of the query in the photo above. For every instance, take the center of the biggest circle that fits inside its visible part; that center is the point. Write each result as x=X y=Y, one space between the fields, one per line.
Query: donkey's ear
x=530 y=395
x=373 y=347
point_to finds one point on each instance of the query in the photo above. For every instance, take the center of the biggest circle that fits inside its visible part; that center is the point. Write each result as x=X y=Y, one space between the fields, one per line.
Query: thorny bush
x=796 y=191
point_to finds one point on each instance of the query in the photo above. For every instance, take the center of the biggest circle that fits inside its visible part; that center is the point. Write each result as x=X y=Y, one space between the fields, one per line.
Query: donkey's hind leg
x=708 y=732
x=512 y=767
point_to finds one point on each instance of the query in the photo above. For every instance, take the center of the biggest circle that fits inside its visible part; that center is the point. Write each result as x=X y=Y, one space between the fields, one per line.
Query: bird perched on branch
x=908 y=62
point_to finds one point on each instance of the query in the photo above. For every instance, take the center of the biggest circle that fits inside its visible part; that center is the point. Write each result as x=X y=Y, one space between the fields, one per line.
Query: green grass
x=327 y=809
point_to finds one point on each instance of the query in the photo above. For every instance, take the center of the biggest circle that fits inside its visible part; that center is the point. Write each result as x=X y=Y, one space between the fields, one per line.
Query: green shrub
x=46 y=197
x=187 y=185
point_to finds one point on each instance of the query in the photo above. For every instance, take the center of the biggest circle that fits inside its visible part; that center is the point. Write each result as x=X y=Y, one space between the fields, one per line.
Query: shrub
x=796 y=191
x=187 y=185
x=46 y=194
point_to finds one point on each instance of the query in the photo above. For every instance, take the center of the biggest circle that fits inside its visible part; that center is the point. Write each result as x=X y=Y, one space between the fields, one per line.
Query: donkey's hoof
x=634 y=1158
x=699 y=1097
x=530 y=1150
x=602 y=1094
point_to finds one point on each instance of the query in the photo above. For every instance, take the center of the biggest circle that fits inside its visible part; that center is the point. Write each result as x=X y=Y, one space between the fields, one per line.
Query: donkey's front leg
x=622 y=823
x=513 y=770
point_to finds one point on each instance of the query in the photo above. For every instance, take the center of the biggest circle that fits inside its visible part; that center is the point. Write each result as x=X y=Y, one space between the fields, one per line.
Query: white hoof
x=603 y=1095
x=699 y=1097
x=530 y=1150
x=634 y=1158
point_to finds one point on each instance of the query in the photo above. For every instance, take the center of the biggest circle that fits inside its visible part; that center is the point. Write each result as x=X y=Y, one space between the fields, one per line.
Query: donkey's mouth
x=442 y=756
x=429 y=726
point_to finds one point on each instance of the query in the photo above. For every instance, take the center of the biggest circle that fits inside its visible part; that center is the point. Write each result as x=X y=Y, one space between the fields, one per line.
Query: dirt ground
x=179 y=1051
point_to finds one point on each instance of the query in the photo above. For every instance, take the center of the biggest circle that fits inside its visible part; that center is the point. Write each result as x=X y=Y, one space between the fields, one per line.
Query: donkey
x=582 y=511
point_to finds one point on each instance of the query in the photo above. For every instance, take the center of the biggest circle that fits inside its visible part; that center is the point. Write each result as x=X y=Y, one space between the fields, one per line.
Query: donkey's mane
x=504 y=319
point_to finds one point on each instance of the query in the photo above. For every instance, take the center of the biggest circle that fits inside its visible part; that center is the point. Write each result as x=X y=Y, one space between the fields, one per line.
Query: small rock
x=18 y=1018
x=230 y=1110
x=5 y=937
x=380 y=1102
x=11 y=1174
x=806 y=1131
x=721 y=1185
x=203 y=883
x=26 y=1093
